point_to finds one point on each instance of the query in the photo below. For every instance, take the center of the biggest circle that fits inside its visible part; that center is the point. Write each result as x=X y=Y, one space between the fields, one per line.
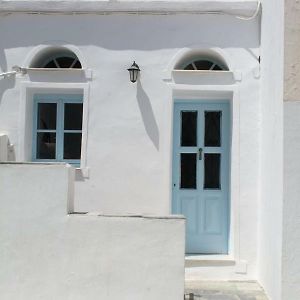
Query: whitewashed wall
x=48 y=254
x=271 y=170
x=128 y=138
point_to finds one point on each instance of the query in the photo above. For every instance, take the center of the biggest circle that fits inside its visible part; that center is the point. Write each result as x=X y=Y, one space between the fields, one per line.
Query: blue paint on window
x=57 y=128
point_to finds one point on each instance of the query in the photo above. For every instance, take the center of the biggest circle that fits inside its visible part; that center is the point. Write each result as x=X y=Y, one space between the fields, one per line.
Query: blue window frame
x=57 y=128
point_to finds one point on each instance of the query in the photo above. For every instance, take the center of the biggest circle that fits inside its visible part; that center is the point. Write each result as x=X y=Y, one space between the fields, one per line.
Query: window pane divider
x=72 y=131
x=46 y=130
x=60 y=100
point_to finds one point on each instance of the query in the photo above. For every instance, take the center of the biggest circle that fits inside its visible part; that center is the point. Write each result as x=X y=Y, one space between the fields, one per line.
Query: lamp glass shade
x=134 y=72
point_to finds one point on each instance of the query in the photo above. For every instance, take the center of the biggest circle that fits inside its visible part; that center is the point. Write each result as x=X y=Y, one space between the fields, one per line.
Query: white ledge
x=208 y=260
x=245 y=8
x=202 y=77
x=140 y=216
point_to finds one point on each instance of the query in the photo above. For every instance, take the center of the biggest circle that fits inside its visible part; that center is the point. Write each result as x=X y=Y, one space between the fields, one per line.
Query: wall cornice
x=244 y=8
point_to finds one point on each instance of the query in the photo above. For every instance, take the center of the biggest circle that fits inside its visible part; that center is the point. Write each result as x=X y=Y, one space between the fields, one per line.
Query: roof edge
x=129 y=7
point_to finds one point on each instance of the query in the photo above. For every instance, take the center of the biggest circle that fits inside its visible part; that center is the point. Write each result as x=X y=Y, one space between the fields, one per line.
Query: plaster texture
x=127 y=139
x=49 y=254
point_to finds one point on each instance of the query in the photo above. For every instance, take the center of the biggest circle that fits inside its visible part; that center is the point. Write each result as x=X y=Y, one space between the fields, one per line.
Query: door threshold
x=194 y=260
x=208 y=257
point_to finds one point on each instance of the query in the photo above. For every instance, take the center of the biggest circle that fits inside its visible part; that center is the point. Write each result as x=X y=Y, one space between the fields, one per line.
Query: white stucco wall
x=271 y=184
x=47 y=254
x=128 y=130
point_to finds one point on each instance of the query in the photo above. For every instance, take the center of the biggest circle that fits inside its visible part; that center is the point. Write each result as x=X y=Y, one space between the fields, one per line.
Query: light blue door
x=201 y=173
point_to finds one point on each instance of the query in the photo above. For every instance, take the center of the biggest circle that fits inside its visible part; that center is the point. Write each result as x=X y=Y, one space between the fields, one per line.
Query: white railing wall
x=47 y=253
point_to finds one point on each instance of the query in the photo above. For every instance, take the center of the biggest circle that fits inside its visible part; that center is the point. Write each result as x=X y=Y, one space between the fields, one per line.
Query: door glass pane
x=212 y=170
x=213 y=128
x=46 y=145
x=188 y=128
x=73 y=116
x=72 y=145
x=188 y=174
x=46 y=118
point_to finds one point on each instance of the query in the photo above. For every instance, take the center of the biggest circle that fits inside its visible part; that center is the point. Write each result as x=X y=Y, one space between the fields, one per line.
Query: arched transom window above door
x=202 y=62
x=57 y=58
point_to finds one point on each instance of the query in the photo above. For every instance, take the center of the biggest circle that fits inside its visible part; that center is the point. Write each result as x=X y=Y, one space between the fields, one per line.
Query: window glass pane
x=203 y=64
x=73 y=116
x=217 y=68
x=188 y=176
x=46 y=145
x=50 y=65
x=213 y=128
x=188 y=128
x=65 y=62
x=46 y=116
x=77 y=65
x=212 y=170
x=72 y=145
x=189 y=67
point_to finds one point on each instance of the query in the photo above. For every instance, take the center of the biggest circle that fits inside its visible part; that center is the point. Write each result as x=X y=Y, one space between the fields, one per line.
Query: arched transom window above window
x=63 y=61
x=205 y=64
x=57 y=58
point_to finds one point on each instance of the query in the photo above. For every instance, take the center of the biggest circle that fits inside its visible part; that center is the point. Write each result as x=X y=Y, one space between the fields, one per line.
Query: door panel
x=201 y=173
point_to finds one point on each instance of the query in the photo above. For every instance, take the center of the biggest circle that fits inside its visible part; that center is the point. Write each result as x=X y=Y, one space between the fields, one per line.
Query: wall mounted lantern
x=134 y=72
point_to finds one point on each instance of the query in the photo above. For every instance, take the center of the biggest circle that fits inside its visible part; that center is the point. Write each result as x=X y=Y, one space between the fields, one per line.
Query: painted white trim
x=203 y=77
x=28 y=89
x=246 y=8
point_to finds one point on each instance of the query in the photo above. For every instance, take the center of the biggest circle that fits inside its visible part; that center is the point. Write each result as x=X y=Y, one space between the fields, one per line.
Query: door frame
x=215 y=94
x=193 y=105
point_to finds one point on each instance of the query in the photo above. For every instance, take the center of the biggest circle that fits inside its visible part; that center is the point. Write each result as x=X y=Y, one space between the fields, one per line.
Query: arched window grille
x=63 y=61
x=204 y=64
x=57 y=59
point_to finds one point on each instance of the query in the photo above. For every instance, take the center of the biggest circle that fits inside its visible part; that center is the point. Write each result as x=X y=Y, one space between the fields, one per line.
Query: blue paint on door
x=201 y=173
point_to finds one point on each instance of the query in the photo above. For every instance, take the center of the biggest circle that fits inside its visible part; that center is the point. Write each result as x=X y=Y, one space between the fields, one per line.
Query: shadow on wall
x=121 y=30
x=3 y=61
x=147 y=115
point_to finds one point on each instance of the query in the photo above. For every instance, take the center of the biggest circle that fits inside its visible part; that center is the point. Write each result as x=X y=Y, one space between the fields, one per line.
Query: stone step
x=224 y=290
